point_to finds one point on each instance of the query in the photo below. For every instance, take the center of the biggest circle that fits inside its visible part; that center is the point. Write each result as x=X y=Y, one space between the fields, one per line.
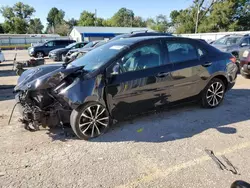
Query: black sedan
x=123 y=78
x=59 y=54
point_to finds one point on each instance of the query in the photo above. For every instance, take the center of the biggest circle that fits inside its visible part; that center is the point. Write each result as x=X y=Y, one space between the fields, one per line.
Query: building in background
x=101 y=33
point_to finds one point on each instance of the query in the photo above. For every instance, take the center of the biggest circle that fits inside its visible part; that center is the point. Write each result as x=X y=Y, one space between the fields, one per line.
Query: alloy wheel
x=39 y=54
x=93 y=121
x=215 y=94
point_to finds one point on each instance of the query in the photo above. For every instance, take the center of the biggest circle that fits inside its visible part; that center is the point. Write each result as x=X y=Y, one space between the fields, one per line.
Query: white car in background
x=2 y=59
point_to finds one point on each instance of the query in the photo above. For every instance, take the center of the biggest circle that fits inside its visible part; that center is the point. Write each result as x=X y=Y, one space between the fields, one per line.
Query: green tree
x=62 y=29
x=17 y=18
x=221 y=18
x=23 y=11
x=55 y=17
x=173 y=15
x=185 y=21
x=99 y=22
x=160 y=23
x=86 y=19
x=1 y=28
x=139 y=22
x=35 y=26
x=72 y=22
x=123 y=18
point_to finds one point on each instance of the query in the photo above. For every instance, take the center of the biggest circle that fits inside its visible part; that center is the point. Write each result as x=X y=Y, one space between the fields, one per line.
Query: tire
x=39 y=55
x=208 y=98
x=244 y=75
x=90 y=121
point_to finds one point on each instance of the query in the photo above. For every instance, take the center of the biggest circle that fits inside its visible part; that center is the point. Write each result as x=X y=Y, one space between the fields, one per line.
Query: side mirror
x=244 y=44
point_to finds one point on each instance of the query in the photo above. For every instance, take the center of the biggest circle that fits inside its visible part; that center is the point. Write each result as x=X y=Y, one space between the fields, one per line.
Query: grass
x=12 y=47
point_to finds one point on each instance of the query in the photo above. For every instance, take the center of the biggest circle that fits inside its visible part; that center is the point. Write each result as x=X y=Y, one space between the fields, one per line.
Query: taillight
x=233 y=59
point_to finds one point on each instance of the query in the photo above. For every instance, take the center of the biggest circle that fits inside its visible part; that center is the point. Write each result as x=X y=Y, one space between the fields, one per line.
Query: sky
x=105 y=8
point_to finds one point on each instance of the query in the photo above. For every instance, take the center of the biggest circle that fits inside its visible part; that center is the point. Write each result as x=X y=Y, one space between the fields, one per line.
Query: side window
x=51 y=43
x=181 y=51
x=246 y=41
x=141 y=58
x=58 y=43
x=82 y=45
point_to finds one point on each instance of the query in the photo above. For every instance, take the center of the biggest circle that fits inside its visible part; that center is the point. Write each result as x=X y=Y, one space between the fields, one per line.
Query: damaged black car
x=123 y=78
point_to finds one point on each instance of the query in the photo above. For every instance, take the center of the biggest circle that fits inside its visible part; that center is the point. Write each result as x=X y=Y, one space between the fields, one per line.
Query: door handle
x=162 y=74
x=207 y=64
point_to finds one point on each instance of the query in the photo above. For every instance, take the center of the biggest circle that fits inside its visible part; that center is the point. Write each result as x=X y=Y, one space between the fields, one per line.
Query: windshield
x=71 y=45
x=89 y=45
x=118 y=37
x=97 y=57
x=100 y=44
x=227 y=40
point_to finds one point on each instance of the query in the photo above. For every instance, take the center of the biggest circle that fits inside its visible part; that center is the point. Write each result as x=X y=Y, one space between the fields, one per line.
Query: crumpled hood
x=43 y=77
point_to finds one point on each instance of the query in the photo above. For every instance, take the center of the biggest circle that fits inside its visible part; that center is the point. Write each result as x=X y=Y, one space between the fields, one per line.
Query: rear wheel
x=90 y=121
x=213 y=94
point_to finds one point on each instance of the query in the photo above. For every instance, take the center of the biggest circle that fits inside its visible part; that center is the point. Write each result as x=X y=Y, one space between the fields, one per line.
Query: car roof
x=132 y=40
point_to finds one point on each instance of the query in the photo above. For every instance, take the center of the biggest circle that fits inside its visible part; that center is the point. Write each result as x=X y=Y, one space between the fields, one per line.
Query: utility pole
x=197 y=18
x=95 y=17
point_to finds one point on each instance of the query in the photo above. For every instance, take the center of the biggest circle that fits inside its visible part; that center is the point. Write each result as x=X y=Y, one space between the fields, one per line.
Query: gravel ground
x=165 y=149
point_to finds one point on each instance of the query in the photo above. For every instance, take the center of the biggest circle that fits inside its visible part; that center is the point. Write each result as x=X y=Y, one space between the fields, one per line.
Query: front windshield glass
x=89 y=45
x=118 y=37
x=100 y=44
x=71 y=45
x=97 y=57
x=228 y=40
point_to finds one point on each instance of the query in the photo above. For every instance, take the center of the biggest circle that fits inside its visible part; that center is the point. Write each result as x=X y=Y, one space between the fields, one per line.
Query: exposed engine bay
x=38 y=96
x=41 y=108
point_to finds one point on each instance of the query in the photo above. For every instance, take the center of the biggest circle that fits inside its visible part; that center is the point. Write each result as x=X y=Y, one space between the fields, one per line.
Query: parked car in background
x=232 y=44
x=124 y=78
x=43 y=49
x=90 y=46
x=2 y=59
x=244 y=57
x=60 y=53
x=118 y=37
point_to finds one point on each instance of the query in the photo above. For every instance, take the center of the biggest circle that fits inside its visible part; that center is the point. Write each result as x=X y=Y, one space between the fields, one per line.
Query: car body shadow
x=6 y=92
x=6 y=64
x=5 y=73
x=184 y=121
x=180 y=122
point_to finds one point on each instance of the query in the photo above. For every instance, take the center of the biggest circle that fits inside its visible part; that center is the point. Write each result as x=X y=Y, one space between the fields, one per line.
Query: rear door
x=189 y=65
x=61 y=44
x=140 y=80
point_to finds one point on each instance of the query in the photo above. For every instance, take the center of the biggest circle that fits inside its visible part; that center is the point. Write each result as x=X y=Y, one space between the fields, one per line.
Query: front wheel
x=213 y=94
x=90 y=120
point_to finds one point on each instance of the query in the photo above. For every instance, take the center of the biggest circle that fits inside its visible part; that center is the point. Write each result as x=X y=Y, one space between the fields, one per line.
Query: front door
x=139 y=82
x=49 y=47
x=187 y=68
